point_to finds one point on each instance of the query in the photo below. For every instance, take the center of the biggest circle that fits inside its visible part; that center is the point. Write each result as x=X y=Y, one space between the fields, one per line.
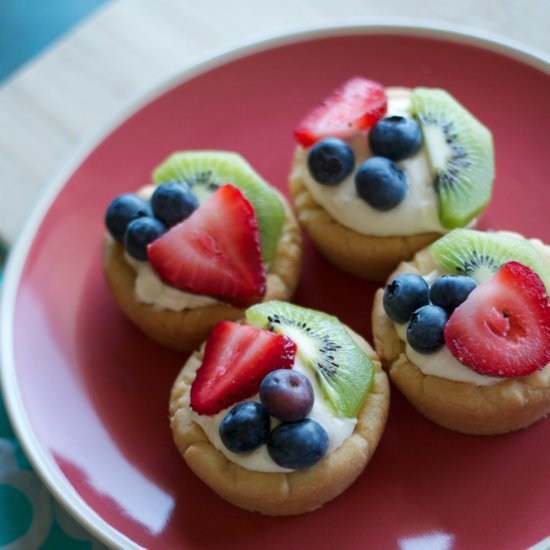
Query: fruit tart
x=206 y=240
x=463 y=330
x=281 y=412
x=379 y=173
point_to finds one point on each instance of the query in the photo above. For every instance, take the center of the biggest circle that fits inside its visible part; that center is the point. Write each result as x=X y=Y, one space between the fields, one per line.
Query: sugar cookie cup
x=366 y=256
x=369 y=241
x=279 y=493
x=510 y=404
x=185 y=330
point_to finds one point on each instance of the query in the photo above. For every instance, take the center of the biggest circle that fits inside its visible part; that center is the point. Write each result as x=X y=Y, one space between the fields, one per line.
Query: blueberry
x=298 y=444
x=331 y=161
x=405 y=294
x=449 y=291
x=380 y=183
x=287 y=395
x=245 y=427
x=172 y=202
x=425 y=330
x=122 y=210
x=139 y=234
x=395 y=137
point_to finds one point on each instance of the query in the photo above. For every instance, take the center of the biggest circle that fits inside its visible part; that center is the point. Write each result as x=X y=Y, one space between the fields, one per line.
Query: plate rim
x=48 y=472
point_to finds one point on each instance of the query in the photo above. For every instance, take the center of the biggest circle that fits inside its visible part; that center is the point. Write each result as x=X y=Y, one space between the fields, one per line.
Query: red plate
x=88 y=393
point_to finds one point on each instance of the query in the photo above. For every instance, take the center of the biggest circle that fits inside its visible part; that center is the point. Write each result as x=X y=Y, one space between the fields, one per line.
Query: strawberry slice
x=236 y=359
x=356 y=105
x=215 y=251
x=503 y=327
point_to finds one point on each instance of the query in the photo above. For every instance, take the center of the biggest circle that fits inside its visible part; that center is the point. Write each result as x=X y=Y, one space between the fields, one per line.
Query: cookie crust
x=185 y=330
x=366 y=256
x=279 y=493
x=510 y=405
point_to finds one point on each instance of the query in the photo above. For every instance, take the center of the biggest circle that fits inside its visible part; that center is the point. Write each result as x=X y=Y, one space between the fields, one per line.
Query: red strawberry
x=356 y=105
x=215 y=251
x=503 y=327
x=236 y=359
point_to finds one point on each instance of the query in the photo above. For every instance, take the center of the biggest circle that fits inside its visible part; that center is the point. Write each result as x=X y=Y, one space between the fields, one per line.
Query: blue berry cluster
x=297 y=441
x=135 y=222
x=409 y=299
x=379 y=181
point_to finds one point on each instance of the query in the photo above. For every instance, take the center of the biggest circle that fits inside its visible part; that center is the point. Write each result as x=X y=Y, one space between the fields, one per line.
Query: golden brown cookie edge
x=280 y=493
x=481 y=410
x=186 y=330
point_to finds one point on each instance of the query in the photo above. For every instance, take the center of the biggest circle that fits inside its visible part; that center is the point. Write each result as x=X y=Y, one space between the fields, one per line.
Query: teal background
x=28 y=26
x=29 y=516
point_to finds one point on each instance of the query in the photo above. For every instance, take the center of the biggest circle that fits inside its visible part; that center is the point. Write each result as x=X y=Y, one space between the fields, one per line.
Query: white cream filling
x=150 y=289
x=338 y=428
x=443 y=363
x=417 y=213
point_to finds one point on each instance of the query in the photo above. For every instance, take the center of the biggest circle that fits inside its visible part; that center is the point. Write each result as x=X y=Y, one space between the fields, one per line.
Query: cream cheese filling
x=338 y=428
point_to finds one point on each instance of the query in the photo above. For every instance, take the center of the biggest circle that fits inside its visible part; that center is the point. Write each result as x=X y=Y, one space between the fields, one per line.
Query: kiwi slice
x=480 y=255
x=460 y=152
x=205 y=171
x=342 y=370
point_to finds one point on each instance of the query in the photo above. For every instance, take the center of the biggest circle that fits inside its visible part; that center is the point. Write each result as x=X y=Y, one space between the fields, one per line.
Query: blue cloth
x=29 y=517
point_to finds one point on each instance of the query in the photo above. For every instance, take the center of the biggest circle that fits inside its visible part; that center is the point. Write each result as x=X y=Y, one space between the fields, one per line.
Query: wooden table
x=57 y=102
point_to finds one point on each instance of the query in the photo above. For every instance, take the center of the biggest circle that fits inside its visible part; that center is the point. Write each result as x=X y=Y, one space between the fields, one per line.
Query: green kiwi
x=460 y=152
x=205 y=171
x=480 y=254
x=342 y=370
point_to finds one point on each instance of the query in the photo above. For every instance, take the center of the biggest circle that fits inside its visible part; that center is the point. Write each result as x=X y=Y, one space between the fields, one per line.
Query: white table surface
x=59 y=100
